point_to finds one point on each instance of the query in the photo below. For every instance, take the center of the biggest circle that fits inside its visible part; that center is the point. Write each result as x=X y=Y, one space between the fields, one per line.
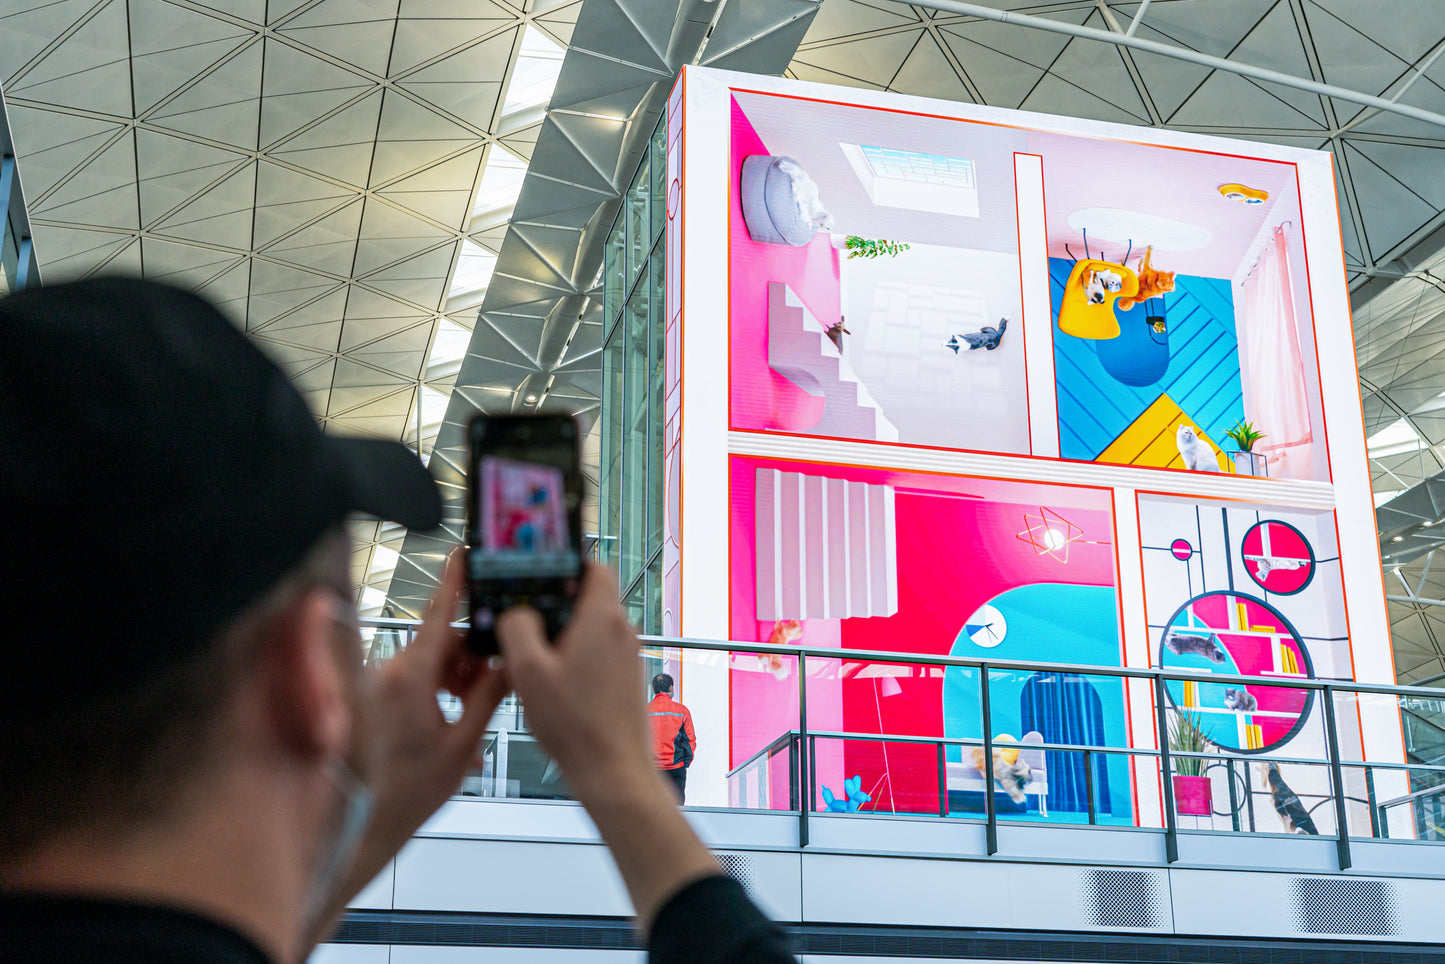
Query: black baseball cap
x=158 y=474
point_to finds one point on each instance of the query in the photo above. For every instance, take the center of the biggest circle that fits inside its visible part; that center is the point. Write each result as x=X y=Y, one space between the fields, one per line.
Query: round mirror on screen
x=1278 y=557
x=1234 y=634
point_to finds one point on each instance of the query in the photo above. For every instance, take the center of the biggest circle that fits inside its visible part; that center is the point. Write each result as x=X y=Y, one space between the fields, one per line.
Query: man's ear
x=307 y=689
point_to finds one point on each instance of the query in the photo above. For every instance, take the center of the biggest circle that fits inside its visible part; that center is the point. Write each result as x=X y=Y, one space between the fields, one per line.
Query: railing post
x=793 y=772
x=1375 y=822
x=1089 y=784
x=812 y=771
x=1233 y=797
x=1337 y=779
x=990 y=816
x=1249 y=799
x=806 y=803
x=1171 y=832
x=942 y=782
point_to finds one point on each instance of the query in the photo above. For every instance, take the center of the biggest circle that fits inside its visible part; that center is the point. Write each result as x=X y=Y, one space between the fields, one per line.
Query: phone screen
x=523 y=545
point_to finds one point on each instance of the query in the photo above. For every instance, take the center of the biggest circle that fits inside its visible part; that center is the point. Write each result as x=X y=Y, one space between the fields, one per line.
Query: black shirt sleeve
x=711 y=921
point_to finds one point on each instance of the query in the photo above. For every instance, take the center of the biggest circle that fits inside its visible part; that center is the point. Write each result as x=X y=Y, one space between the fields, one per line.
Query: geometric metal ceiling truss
x=537 y=342
x=316 y=167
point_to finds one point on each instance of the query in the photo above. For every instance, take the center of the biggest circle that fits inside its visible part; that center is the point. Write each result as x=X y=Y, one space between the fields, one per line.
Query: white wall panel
x=502 y=876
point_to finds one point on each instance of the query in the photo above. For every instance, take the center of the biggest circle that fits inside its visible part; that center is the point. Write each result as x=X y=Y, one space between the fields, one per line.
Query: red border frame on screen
x=1309 y=287
x=1111 y=491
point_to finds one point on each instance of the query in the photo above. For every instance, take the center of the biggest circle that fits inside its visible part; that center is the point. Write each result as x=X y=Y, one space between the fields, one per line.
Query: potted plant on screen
x=1246 y=460
x=873 y=247
x=1191 y=786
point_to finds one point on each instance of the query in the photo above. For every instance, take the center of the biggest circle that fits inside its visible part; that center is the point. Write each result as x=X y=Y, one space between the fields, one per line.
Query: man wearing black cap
x=195 y=766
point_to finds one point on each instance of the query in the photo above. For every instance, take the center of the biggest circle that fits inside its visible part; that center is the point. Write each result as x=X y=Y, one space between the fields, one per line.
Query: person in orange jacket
x=673 y=740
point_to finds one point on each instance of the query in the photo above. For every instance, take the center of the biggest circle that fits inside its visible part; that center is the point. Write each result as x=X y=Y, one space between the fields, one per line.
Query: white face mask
x=339 y=849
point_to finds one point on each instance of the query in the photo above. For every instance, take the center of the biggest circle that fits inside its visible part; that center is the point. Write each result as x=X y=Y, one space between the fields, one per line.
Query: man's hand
x=417 y=759
x=584 y=699
x=583 y=696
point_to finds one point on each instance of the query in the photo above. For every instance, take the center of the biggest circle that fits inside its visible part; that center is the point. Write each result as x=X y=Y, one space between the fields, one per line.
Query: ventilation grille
x=1122 y=898
x=1336 y=905
x=740 y=868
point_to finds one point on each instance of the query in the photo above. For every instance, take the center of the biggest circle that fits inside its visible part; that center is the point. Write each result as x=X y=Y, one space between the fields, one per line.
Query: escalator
x=1424 y=722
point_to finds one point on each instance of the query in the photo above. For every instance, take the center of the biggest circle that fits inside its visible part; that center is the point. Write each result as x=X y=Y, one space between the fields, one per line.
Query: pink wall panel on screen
x=760 y=397
x=957 y=548
x=764 y=706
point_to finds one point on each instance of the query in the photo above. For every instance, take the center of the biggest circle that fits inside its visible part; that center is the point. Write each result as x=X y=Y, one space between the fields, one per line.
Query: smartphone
x=524 y=521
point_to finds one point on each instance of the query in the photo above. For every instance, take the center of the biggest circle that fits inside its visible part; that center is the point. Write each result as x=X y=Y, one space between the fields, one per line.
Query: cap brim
x=387 y=480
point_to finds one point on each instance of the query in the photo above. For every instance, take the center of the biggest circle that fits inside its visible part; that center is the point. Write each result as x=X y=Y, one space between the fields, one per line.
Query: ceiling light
x=1119 y=226
x=531 y=399
x=1396 y=539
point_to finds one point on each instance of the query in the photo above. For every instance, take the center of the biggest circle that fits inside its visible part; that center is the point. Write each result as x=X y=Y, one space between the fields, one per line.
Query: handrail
x=970 y=662
x=778 y=744
x=800 y=743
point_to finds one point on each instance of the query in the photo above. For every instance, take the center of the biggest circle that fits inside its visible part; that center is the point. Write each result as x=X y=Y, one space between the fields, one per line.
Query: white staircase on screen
x=800 y=350
x=826 y=548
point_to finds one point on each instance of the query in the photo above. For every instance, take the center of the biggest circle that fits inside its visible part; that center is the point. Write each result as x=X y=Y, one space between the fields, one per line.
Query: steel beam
x=1183 y=53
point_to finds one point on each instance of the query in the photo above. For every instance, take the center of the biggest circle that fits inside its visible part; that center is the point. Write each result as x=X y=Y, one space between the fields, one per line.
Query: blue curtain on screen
x=1065 y=708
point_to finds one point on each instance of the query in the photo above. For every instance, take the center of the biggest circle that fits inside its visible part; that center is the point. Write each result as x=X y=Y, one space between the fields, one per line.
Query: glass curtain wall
x=630 y=509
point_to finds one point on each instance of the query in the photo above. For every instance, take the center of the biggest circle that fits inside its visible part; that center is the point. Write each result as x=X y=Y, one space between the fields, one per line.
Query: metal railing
x=800 y=743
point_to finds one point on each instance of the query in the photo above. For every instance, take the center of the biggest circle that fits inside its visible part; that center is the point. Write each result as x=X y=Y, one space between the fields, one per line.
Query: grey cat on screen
x=1240 y=700
x=1200 y=644
x=986 y=338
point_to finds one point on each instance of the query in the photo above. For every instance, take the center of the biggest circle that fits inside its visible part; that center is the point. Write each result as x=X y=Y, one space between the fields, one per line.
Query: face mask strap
x=358 y=804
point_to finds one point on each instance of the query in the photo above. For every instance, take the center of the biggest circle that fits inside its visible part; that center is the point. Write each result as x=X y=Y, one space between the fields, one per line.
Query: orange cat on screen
x=785 y=631
x=1152 y=283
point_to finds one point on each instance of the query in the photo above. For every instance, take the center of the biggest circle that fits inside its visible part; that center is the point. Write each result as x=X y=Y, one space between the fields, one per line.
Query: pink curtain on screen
x=1277 y=403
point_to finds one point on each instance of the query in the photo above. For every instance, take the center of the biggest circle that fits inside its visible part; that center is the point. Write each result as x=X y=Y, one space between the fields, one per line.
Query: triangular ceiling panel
x=221 y=216
x=443 y=192
x=101 y=193
x=1224 y=98
x=1421 y=169
x=356 y=31
x=618 y=31
x=1275 y=43
x=277 y=288
x=1391 y=211
x=875 y=61
x=846 y=18
x=339 y=146
x=173 y=169
x=1003 y=80
x=421 y=40
x=1036 y=48
x=327 y=244
x=73 y=253
x=389 y=235
x=929 y=72
x=54 y=144
x=299 y=88
x=90 y=69
x=224 y=105
x=412 y=137
x=419 y=279
x=1215 y=28
x=1402 y=27
x=1100 y=70
x=171 y=45
x=182 y=264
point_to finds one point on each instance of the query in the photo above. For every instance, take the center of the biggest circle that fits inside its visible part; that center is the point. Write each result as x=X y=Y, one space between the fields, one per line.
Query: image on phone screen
x=523 y=548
